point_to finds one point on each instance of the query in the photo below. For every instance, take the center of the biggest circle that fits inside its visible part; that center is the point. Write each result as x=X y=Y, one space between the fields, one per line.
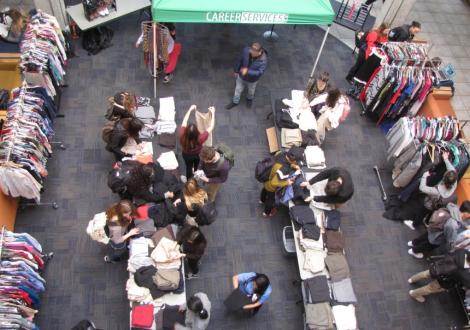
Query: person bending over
x=118 y=218
x=254 y=285
x=124 y=129
x=442 y=229
x=197 y=313
x=405 y=32
x=338 y=190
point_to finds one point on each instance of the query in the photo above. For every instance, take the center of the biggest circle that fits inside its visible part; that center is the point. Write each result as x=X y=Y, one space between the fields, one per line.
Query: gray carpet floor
x=80 y=285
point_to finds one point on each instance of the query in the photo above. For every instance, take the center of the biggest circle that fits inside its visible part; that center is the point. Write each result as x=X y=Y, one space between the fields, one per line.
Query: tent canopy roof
x=243 y=11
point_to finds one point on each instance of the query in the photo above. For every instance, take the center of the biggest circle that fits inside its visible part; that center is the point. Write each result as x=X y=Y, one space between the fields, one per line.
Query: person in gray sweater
x=442 y=229
x=198 y=313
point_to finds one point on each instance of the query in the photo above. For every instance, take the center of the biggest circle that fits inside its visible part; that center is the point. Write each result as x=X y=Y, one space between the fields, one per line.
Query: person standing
x=192 y=140
x=405 y=32
x=371 y=39
x=193 y=244
x=453 y=271
x=216 y=169
x=248 y=70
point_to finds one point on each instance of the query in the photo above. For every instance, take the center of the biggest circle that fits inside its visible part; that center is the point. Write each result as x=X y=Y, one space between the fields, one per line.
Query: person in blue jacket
x=248 y=70
x=254 y=285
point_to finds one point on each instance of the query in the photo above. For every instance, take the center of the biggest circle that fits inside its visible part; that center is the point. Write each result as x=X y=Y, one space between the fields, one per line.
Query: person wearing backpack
x=365 y=44
x=216 y=167
x=442 y=229
x=119 y=217
x=282 y=174
x=193 y=245
x=116 y=135
x=254 y=285
x=191 y=141
x=445 y=272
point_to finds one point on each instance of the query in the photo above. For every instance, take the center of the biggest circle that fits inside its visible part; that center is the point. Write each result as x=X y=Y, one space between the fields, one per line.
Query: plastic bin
x=288 y=241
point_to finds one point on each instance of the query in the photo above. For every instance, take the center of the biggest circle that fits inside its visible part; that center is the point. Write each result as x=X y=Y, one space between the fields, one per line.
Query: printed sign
x=246 y=17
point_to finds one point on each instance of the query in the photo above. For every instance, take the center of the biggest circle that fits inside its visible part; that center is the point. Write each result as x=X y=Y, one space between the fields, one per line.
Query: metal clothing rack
x=11 y=146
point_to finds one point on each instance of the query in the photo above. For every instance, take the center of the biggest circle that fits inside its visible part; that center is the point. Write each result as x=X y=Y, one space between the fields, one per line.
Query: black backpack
x=263 y=169
x=442 y=267
x=119 y=176
x=207 y=214
x=97 y=39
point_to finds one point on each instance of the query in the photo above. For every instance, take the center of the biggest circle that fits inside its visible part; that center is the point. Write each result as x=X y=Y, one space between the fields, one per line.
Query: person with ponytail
x=197 y=313
x=254 y=285
x=122 y=105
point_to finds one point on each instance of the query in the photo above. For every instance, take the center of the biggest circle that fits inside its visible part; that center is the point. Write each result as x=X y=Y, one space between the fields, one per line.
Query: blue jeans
x=240 y=86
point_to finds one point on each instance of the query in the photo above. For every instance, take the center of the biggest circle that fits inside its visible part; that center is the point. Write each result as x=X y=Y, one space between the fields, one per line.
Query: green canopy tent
x=318 y=12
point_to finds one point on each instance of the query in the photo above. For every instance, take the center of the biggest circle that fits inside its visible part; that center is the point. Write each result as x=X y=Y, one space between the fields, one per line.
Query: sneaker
x=410 y=243
x=107 y=259
x=190 y=276
x=249 y=103
x=260 y=202
x=231 y=105
x=183 y=178
x=273 y=212
x=410 y=280
x=167 y=78
x=409 y=224
x=416 y=255
x=420 y=299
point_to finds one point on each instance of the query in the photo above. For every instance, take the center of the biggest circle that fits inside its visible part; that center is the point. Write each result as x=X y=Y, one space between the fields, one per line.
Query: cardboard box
x=273 y=142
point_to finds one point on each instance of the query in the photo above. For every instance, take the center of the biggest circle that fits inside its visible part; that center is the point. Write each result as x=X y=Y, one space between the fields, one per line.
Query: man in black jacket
x=454 y=271
x=405 y=32
x=339 y=188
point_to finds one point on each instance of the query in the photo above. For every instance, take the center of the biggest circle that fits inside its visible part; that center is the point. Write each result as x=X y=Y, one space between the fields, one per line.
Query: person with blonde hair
x=118 y=218
x=194 y=197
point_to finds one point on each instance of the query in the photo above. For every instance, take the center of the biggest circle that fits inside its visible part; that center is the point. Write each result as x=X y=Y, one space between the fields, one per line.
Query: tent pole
x=310 y=79
x=154 y=27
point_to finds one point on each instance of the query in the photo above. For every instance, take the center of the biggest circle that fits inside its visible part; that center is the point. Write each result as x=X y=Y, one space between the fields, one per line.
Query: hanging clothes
x=43 y=53
x=25 y=143
x=20 y=282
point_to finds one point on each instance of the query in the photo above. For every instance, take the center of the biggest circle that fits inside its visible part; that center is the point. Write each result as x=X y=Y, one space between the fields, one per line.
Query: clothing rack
x=7 y=162
x=2 y=235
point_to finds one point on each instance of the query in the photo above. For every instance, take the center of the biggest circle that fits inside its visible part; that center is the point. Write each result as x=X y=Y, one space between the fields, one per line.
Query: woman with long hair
x=193 y=244
x=194 y=197
x=118 y=218
x=192 y=140
x=12 y=24
x=254 y=285
x=371 y=39
x=122 y=105
x=124 y=129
